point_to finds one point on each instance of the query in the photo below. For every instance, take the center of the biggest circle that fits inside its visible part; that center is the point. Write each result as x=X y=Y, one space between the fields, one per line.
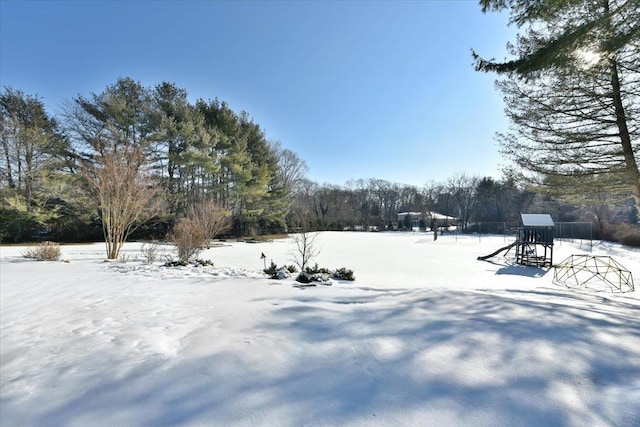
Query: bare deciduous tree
x=306 y=248
x=291 y=168
x=124 y=195
x=463 y=189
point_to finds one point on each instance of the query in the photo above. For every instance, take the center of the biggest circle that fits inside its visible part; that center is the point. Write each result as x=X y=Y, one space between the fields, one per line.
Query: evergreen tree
x=247 y=182
x=186 y=151
x=572 y=92
x=32 y=149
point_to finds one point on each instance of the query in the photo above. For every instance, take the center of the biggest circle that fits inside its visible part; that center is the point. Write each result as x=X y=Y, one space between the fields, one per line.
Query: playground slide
x=491 y=255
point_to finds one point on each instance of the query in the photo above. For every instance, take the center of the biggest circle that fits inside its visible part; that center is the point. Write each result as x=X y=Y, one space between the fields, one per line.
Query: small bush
x=176 y=263
x=150 y=251
x=188 y=237
x=306 y=277
x=344 y=274
x=271 y=270
x=45 y=251
x=275 y=272
x=291 y=268
x=317 y=270
x=202 y=222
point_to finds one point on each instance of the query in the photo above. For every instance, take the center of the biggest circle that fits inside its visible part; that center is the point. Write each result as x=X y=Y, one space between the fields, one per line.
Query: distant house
x=430 y=220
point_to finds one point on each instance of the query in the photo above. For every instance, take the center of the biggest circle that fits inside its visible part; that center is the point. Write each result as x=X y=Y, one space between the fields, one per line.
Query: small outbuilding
x=535 y=240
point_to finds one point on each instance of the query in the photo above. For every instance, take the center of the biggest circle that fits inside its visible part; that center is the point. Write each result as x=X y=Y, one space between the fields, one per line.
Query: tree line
x=132 y=161
x=472 y=200
x=133 y=145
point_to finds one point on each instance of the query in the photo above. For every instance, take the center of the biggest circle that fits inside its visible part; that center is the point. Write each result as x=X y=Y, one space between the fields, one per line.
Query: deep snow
x=425 y=336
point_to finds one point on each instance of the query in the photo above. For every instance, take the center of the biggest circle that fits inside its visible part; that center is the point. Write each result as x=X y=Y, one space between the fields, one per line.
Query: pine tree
x=186 y=151
x=573 y=92
x=32 y=150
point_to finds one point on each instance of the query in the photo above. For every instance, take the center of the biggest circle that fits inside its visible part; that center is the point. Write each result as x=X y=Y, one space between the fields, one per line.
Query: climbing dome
x=600 y=273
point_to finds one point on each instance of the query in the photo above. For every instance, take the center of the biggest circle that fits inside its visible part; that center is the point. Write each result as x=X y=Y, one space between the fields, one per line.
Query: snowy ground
x=425 y=336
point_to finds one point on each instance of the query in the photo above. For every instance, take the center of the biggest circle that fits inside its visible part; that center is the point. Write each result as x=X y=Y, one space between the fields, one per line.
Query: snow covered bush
x=317 y=270
x=321 y=274
x=314 y=275
x=45 y=251
x=275 y=272
x=305 y=277
x=344 y=274
x=183 y=263
x=271 y=270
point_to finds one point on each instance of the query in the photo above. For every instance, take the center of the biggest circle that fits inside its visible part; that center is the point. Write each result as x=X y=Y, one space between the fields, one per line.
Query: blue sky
x=357 y=89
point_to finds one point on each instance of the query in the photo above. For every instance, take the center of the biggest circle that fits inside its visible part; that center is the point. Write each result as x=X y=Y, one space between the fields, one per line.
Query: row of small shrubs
x=50 y=251
x=45 y=251
x=310 y=274
x=198 y=262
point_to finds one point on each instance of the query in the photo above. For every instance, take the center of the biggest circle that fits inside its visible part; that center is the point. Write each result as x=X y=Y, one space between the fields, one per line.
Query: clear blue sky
x=357 y=89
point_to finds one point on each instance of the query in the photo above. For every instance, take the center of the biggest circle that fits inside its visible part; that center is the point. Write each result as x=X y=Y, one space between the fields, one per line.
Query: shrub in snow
x=124 y=258
x=45 y=251
x=150 y=251
x=344 y=274
x=183 y=263
x=275 y=272
x=317 y=270
x=321 y=277
x=271 y=270
x=281 y=273
x=176 y=263
x=306 y=277
x=321 y=274
x=201 y=223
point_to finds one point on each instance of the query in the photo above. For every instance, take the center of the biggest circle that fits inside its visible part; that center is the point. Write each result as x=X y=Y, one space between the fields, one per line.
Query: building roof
x=537 y=220
x=431 y=214
x=409 y=213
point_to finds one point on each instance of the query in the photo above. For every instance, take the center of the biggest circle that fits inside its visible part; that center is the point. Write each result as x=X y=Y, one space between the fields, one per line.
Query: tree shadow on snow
x=429 y=358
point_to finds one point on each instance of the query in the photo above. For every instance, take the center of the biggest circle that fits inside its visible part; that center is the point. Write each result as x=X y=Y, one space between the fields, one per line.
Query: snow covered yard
x=425 y=336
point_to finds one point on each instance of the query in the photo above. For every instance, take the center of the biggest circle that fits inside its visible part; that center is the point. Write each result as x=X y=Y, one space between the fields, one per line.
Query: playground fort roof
x=537 y=220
